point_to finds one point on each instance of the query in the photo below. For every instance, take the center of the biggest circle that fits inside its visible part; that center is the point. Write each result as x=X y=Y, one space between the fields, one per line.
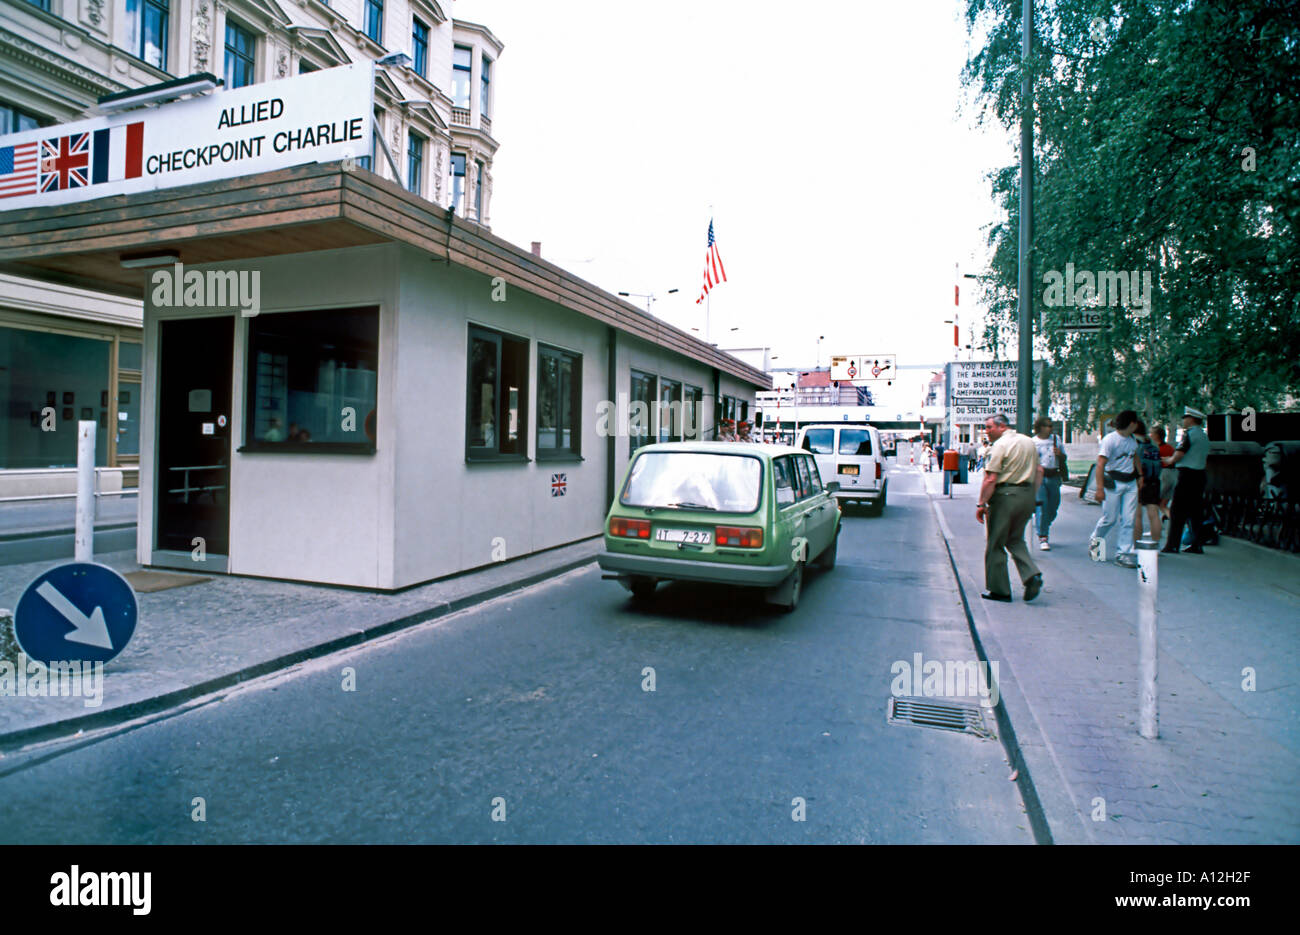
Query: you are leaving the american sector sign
x=318 y=117
x=978 y=389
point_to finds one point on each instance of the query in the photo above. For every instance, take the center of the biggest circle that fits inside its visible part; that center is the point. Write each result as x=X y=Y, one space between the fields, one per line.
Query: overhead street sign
x=862 y=367
x=78 y=612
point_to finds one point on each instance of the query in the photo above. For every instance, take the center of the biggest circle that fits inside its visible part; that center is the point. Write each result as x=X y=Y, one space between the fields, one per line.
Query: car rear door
x=856 y=459
x=791 y=510
x=818 y=510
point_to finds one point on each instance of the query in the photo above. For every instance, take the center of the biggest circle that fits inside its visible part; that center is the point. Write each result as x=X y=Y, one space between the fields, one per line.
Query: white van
x=852 y=455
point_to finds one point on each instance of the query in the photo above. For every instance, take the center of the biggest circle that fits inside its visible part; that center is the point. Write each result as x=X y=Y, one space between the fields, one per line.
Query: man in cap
x=1189 y=458
x=1006 y=497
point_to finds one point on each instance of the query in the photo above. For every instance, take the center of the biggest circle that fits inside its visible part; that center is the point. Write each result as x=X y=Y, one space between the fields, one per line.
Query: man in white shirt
x=1117 y=489
x=1050 y=454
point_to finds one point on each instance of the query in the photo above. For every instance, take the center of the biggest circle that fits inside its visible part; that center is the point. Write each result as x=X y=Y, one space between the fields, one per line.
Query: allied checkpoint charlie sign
x=323 y=116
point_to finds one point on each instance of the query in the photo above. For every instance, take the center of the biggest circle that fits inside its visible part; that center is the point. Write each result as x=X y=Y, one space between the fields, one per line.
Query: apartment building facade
x=433 y=103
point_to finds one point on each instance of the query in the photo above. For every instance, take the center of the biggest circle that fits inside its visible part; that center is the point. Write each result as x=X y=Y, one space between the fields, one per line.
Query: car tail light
x=747 y=537
x=629 y=528
x=877 y=470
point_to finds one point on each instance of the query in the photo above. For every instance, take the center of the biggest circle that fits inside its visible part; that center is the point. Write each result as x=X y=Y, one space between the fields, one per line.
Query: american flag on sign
x=18 y=170
x=65 y=162
x=558 y=484
x=713 y=271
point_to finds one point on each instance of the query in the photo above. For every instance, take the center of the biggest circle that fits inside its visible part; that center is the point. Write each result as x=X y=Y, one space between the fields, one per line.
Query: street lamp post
x=648 y=296
x=1025 y=369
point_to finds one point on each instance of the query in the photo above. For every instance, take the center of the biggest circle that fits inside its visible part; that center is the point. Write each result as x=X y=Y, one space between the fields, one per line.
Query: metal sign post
x=1148 y=563
x=84 y=539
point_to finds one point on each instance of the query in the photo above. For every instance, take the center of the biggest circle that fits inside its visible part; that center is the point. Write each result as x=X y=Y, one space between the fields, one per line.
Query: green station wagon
x=723 y=512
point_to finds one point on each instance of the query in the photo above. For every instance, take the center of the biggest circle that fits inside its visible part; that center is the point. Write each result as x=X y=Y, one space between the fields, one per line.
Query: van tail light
x=877 y=470
x=629 y=528
x=746 y=537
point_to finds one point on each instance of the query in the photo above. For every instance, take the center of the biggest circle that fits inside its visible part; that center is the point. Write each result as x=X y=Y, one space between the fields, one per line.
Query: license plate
x=849 y=469
x=688 y=536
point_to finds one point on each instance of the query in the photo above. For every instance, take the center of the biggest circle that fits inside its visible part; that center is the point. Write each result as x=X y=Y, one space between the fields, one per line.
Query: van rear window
x=819 y=441
x=855 y=442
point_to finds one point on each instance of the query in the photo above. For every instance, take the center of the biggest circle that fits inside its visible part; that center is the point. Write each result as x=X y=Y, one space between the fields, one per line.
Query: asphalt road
x=533 y=707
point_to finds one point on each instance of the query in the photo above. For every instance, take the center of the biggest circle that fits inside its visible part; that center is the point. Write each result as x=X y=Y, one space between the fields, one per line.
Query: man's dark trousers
x=1010 y=509
x=1188 y=507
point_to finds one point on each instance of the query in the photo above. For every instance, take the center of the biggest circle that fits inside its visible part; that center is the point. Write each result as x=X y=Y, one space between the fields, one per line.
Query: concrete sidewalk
x=1225 y=765
x=197 y=639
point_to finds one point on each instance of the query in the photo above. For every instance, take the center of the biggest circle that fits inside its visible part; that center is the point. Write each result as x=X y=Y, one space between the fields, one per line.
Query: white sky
x=845 y=184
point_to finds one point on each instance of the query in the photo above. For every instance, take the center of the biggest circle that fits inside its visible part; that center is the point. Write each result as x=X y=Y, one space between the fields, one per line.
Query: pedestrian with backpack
x=1149 y=468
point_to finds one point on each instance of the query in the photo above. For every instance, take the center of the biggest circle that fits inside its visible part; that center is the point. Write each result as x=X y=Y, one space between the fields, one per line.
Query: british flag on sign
x=558 y=484
x=65 y=162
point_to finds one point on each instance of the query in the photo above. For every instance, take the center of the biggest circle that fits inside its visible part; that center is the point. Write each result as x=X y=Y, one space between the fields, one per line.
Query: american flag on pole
x=713 y=271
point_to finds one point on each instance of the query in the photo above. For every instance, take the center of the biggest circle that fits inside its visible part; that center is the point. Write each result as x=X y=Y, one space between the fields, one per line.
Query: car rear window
x=691 y=480
x=855 y=442
x=783 y=471
x=820 y=441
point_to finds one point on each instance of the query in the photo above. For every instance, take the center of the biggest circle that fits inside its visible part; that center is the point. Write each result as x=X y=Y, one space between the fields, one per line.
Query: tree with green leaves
x=1167 y=142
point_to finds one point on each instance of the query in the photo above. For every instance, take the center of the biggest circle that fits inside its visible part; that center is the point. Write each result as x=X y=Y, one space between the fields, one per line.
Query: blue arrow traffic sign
x=79 y=612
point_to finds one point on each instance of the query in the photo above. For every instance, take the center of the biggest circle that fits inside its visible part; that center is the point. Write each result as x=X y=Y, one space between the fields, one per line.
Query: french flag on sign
x=117 y=153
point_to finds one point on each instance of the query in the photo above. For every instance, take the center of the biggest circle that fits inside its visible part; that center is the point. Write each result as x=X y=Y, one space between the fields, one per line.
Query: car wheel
x=826 y=561
x=643 y=588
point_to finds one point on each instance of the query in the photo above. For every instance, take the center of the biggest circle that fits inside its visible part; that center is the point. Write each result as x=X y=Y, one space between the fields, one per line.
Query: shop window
x=496 y=411
x=559 y=403
x=48 y=383
x=130 y=355
x=312 y=381
x=639 y=416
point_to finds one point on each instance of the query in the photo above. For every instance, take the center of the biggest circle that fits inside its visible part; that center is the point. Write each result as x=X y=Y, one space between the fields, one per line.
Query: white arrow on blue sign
x=79 y=612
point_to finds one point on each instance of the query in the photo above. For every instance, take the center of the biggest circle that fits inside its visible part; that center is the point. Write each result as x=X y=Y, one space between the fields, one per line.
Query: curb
x=68 y=727
x=1006 y=731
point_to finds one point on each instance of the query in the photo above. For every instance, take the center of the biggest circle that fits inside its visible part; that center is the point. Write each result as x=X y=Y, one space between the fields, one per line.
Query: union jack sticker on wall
x=559 y=482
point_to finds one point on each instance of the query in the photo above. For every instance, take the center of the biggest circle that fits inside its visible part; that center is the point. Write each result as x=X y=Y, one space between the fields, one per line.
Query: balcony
x=460 y=116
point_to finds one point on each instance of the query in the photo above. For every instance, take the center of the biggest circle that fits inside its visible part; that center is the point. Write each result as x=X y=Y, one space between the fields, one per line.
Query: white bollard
x=84 y=549
x=1148 y=578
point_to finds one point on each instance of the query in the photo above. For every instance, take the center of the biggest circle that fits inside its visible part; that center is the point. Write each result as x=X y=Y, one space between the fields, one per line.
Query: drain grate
x=941 y=715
